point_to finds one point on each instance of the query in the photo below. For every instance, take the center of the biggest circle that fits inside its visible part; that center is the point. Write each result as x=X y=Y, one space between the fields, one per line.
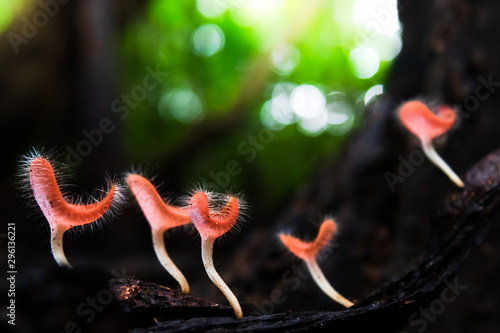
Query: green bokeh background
x=163 y=36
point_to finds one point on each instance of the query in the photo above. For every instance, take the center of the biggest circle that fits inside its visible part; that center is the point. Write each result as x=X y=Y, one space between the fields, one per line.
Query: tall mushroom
x=308 y=252
x=211 y=224
x=419 y=120
x=161 y=217
x=61 y=214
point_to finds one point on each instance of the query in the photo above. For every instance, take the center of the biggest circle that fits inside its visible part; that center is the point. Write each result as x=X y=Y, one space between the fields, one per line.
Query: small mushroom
x=61 y=214
x=419 y=120
x=161 y=217
x=211 y=224
x=308 y=252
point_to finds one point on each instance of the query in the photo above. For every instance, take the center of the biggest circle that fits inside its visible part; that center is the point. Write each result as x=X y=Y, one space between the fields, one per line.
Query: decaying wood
x=148 y=303
x=461 y=224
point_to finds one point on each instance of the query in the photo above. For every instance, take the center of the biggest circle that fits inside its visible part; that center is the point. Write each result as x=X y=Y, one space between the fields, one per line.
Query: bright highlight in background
x=387 y=47
x=307 y=106
x=307 y=101
x=372 y=92
x=247 y=13
x=379 y=21
x=212 y=8
x=377 y=16
x=364 y=62
x=314 y=126
x=375 y=25
x=281 y=109
x=284 y=59
x=208 y=39
x=183 y=105
x=339 y=113
x=340 y=117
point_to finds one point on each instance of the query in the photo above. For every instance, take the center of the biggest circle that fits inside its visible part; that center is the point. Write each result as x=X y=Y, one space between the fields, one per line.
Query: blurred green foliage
x=298 y=69
x=233 y=71
x=9 y=9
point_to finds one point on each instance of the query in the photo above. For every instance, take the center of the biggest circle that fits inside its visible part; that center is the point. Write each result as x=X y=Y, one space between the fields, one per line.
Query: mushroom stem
x=207 y=246
x=168 y=264
x=323 y=283
x=431 y=153
x=56 y=244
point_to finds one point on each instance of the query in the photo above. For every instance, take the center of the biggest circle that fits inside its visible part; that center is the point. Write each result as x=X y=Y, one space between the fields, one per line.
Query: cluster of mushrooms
x=212 y=214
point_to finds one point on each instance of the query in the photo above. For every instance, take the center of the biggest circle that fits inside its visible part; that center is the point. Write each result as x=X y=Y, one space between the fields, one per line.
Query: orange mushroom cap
x=160 y=215
x=53 y=205
x=212 y=224
x=426 y=125
x=309 y=250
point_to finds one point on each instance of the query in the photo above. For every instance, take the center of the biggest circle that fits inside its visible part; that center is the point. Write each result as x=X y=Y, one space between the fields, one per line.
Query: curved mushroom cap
x=212 y=224
x=56 y=209
x=426 y=125
x=309 y=250
x=160 y=215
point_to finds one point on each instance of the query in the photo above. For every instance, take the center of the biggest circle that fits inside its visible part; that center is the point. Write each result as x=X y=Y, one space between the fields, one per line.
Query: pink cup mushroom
x=161 y=217
x=308 y=252
x=419 y=120
x=61 y=214
x=212 y=224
